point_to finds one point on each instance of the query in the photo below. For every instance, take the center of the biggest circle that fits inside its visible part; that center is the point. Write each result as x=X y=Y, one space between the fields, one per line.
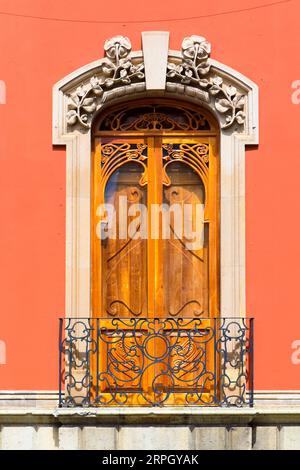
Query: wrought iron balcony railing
x=155 y=362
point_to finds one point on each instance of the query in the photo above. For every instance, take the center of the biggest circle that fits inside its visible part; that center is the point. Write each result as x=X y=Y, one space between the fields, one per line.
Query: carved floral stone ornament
x=117 y=70
x=193 y=70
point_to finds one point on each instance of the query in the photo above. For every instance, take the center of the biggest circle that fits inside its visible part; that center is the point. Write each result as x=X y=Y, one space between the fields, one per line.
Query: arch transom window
x=154 y=116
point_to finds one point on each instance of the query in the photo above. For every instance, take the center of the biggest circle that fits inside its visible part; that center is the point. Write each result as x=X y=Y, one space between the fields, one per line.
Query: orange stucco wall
x=264 y=45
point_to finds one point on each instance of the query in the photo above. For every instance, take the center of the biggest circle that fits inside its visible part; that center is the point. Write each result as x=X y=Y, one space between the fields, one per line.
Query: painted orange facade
x=263 y=43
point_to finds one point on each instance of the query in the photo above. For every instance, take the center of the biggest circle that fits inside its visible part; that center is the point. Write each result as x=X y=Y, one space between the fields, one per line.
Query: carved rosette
x=116 y=70
x=193 y=69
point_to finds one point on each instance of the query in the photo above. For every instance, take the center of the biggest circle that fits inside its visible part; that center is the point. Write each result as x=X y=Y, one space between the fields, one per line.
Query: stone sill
x=263 y=415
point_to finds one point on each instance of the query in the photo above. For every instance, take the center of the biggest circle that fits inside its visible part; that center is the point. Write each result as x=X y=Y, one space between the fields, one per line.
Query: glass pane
x=124 y=251
x=185 y=274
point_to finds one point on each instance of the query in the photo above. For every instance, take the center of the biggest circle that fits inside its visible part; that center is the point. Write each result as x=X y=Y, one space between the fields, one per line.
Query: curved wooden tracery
x=114 y=155
x=155 y=117
x=194 y=155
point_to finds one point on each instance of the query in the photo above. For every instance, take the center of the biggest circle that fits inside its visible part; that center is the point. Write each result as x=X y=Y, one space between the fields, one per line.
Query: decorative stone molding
x=116 y=70
x=193 y=69
x=123 y=75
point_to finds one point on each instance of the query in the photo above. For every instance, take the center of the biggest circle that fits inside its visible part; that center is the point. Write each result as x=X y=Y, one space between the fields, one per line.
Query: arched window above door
x=155 y=116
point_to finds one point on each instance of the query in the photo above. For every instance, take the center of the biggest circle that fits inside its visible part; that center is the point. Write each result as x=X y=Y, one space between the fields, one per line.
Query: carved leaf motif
x=214 y=90
x=87 y=101
x=222 y=105
x=97 y=91
x=188 y=72
x=89 y=109
x=73 y=102
x=240 y=117
x=137 y=69
x=96 y=86
x=107 y=69
x=176 y=67
x=230 y=90
x=203 y=68
x=109 y=82
x=171 y=73
x=189 y=62
x=80 y=91
x=126 y=64
x=239 y=101
x=71 y=117
x=203 y=83
x=217 y=81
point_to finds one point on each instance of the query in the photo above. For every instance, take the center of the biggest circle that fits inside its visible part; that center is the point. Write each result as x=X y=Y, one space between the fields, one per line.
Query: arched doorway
x=155 y=250
x=112 y=350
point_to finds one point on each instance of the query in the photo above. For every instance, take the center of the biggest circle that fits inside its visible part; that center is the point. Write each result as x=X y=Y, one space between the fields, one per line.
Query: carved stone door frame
x=189 y=75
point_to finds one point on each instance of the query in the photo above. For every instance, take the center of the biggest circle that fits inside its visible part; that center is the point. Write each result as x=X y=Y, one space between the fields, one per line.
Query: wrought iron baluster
x=189 y=361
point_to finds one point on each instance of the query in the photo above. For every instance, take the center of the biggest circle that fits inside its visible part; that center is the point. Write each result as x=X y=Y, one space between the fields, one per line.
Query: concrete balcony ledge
x=263 y=415
x=41 y=407
x=31 y=420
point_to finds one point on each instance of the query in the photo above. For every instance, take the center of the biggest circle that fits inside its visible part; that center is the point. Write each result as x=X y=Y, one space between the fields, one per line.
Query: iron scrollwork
x=156 y=362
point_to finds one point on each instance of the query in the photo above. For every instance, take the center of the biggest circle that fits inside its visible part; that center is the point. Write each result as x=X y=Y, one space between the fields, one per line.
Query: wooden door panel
x=124 y=261
x=186 y=257
x=119 y=261
x=191 y=272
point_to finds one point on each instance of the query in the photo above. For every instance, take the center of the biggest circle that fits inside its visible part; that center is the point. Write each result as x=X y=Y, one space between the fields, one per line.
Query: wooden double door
x=156 y=227
x=155 y=253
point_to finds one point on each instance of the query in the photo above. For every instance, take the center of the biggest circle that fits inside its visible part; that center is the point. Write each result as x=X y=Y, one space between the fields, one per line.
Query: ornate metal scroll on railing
x=156 y=362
